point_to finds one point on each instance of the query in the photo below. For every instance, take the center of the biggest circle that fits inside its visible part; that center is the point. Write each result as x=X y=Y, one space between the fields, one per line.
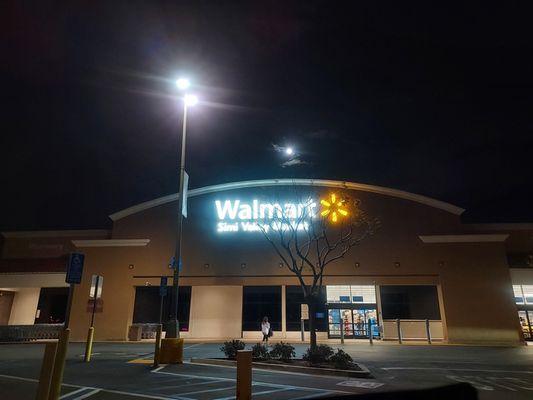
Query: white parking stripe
x=192 y=345
x=86 y=395
x=253 y=394
x=491 y=382
x=206 y=391
x=74 y=392
x=312 y=396
x=145 y=396
x=458 y=369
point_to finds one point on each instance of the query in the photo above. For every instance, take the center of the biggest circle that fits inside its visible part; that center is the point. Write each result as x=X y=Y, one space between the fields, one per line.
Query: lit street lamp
x=189 y=100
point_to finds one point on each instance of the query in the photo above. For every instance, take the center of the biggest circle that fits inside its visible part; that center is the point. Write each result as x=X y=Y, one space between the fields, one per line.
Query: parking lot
x=122 y=371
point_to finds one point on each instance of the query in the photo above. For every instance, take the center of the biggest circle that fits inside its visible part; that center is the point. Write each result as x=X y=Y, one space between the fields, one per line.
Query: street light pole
x=173 y=330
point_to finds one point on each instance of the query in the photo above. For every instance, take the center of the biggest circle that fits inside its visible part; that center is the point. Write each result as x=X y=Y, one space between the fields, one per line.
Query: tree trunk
x=311 y=303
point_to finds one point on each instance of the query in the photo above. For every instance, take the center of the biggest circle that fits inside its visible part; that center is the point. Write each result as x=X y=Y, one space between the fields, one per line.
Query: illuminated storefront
x=424 y=266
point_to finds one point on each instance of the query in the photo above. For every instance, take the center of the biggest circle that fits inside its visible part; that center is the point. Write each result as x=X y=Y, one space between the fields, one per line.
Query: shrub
x=282 y=351
x=341 y=360
x=320 y=354
x=230 y=348
x=260 y=351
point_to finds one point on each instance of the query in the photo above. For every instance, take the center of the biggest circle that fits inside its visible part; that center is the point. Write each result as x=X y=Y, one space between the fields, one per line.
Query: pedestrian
x=265 y=329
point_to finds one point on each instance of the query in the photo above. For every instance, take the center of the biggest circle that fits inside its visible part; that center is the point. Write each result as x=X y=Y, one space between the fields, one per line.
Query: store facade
x=422 y=265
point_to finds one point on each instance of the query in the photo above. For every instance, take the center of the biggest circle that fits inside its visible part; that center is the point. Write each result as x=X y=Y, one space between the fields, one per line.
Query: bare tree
x=308 y=236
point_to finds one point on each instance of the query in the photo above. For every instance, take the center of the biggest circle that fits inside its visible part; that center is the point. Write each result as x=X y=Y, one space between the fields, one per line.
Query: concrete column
x=378 y=306
x=283 y=312
x=24 y=306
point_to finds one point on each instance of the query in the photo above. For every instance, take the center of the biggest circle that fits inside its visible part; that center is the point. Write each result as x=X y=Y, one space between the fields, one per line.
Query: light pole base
x=173 y=329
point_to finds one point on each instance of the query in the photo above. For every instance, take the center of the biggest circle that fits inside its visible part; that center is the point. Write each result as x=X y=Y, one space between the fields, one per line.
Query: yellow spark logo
x=333 y=208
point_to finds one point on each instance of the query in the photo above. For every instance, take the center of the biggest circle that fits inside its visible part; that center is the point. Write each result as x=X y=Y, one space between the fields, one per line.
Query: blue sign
x=172 y=264
x=75 y=268
x=163 y=286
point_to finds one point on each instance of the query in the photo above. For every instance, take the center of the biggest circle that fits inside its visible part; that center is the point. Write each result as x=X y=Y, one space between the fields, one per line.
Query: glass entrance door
x=526 y=318
x=354 y=323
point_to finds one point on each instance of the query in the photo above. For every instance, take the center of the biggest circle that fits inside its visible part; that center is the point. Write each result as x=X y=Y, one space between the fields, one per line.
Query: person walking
x=265 y=329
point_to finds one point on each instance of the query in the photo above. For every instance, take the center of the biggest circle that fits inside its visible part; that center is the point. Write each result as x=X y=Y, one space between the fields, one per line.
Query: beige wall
x=24 y=306
x=32 y=280
x=216 y=312
x=522 y=276
x=473 y=278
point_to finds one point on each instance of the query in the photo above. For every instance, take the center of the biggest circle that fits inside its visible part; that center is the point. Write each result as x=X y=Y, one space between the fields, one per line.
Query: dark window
x=295 y=298
x=344 y=299
x=52 y=305
x=147 y=303
x=409 y=302
x=259 y=302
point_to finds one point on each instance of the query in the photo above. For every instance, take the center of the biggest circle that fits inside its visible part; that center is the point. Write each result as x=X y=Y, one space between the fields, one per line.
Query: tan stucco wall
x=522 y=276
x=473 y=279
x=216 y=312
x=32 y=280
x=24 y=306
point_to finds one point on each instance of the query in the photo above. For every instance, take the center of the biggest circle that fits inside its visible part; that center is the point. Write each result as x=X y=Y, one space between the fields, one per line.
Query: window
x=52 y=305
x=258 y=302
x=518 y=295
x=528 y=293
x=294 y=299
x=364 y=293
x=338 y=294
x=147 y=303
x=410 y=302
x=523 y=294
x=351 y=294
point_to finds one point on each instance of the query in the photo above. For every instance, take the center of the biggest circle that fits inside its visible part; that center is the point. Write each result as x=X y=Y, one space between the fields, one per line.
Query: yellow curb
x=141 y=361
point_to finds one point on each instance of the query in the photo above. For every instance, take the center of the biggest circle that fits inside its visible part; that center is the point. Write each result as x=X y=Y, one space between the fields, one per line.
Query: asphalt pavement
x=123 y=371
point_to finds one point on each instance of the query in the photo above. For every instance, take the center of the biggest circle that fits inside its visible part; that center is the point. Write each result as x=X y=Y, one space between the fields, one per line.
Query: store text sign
x=257 y=216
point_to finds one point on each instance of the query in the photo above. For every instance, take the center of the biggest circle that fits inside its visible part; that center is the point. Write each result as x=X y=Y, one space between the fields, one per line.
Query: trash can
x=135 y=333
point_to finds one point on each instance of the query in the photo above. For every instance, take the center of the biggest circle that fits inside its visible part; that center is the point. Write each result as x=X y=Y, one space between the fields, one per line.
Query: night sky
x=436 y=101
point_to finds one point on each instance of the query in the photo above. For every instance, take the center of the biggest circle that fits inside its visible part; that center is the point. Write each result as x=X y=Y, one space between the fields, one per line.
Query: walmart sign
x=255 y=216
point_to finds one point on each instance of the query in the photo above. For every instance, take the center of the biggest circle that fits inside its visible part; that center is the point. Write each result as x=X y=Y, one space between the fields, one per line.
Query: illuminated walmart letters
x=237 y=215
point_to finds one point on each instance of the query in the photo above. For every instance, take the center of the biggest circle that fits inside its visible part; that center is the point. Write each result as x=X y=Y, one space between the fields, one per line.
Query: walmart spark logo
x=334 y=208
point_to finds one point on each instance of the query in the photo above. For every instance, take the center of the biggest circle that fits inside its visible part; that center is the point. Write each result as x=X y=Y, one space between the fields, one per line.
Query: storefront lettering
x=257 y=216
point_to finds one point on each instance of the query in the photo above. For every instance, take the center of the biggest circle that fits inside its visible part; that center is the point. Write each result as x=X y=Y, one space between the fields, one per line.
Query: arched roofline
x=287 y=182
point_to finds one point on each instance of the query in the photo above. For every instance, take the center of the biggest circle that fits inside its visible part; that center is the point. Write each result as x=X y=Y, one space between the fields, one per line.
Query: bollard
x=59 y=365
x=157 y=344
x=46 y=370
x=428 y=333
x=342 y=332
x=399 y=331
x=370 y=338
x=302 y=326
x=89 y=344
x=171 y=351
x=244 y=375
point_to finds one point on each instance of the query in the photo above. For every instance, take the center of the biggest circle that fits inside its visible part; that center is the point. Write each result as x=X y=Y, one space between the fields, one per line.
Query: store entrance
x=526 y=322
x=353 y=321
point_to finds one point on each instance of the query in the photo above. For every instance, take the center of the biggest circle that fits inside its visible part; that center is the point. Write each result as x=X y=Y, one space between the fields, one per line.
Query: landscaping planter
x=297 y=365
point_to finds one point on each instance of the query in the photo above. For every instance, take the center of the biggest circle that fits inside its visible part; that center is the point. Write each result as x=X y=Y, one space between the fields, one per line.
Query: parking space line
x=312 y=396
x=188 y=384
x=269 y=391
x=491 y=382
x=146 y=396
x=86 y=395
x=192 y=345
x=206 y=391
x=456 y=369
x=74 y=392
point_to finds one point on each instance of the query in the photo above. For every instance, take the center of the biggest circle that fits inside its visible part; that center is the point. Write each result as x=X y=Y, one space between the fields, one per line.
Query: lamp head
x=183 y=83
x=190 y=100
